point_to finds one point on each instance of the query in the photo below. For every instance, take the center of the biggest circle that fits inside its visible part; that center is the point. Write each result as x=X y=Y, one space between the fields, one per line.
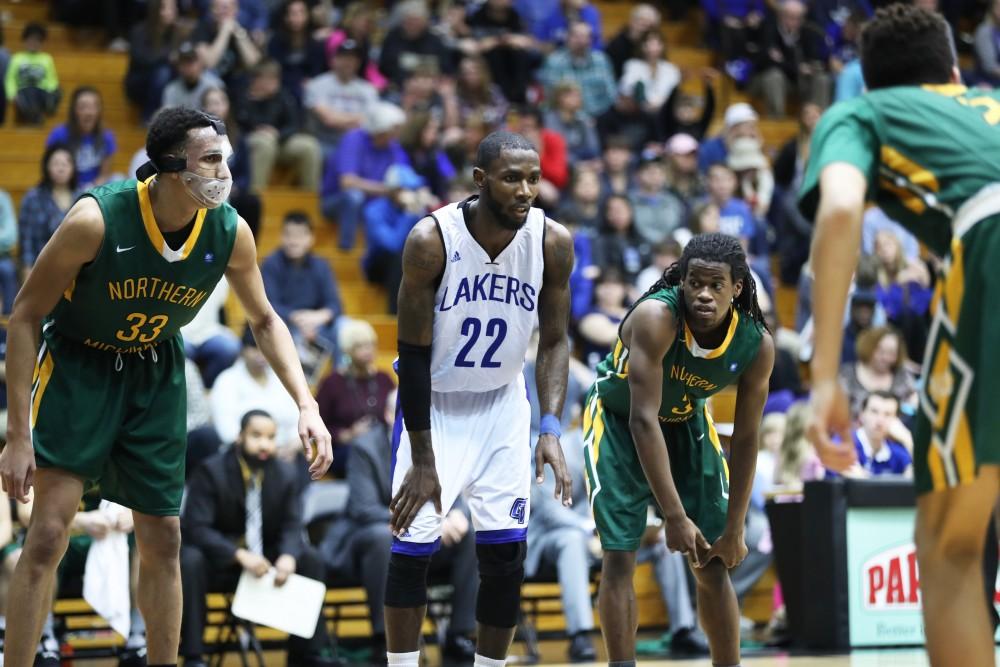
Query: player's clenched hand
x=420 y=485
x=684 y=536
x=17 y=469
x=313 y=431
x=730 y=548
x=828 y=414
x=548 y=450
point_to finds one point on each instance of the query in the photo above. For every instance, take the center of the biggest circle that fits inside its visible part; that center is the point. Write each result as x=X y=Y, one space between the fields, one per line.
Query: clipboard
x=293 y=608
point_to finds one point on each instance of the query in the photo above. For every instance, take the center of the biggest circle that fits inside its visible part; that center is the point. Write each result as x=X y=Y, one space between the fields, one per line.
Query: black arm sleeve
x=415 y=385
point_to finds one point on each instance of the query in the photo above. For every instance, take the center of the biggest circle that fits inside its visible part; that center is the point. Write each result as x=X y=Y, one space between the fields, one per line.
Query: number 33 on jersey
x=485 y=309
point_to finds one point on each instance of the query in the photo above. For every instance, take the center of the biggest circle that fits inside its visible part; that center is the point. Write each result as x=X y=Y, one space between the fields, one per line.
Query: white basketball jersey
x=485 y=310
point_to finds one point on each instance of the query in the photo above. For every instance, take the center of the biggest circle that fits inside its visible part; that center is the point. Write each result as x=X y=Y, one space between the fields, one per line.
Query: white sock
x=403 y=659
x=483 y=661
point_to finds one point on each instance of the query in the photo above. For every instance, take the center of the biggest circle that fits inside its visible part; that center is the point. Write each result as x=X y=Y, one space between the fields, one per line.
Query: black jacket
x=214 y=515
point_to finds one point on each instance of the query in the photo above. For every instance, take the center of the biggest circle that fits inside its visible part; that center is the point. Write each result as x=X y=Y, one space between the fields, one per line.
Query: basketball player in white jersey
x=478 y=277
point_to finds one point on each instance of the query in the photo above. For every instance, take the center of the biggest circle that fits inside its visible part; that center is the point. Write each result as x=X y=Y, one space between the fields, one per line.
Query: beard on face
x=504 y=218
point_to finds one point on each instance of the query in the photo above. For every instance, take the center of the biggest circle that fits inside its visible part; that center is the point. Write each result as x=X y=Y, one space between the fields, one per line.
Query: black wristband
x=415 y=385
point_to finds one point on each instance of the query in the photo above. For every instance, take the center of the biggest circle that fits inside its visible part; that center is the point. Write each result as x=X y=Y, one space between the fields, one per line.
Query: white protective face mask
x=208 y=192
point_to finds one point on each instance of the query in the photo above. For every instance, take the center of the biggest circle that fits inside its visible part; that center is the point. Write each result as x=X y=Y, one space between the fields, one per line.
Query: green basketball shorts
x=118 y=421
x=958 y=420
x=617 y=486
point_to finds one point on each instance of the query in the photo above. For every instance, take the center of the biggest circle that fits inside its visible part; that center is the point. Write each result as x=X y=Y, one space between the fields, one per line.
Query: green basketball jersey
x=138 y=291
x=690 y=373
x=925 y=152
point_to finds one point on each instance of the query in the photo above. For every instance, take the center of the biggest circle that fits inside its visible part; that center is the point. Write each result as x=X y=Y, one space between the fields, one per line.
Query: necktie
x=255 y=523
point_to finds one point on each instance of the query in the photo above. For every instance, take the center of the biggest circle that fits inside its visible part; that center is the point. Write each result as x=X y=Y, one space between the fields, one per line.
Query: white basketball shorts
x=482 y=450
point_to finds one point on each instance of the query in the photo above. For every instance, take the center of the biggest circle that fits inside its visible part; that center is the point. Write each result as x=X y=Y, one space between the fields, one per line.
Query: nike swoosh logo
x=121 y=249
x=725 y=493
x=701 y=436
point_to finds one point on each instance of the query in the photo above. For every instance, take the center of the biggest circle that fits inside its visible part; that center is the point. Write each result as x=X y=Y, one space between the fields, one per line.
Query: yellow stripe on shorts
x=44 y=374
x=713 y=436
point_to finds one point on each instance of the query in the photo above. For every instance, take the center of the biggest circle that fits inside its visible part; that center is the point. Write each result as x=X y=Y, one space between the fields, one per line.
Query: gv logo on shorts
x=518 y=508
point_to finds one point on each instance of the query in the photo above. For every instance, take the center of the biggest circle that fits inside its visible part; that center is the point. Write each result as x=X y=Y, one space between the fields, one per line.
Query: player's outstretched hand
x=548 y=450
x=684 y=536
x=313 y=431
x=828 y=414
x=420 y=485
x=730 y=548
x=17 y=469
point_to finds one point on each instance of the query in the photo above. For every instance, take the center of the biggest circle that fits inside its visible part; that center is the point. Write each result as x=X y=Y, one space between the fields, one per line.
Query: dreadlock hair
x=714 y=248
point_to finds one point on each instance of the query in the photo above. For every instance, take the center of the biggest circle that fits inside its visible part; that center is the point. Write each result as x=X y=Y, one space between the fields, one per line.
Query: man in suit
x=357 y=545
x=243 y=513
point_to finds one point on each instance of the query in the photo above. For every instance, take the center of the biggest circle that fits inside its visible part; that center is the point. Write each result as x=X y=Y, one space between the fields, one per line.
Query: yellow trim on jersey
x=713 y=437
x=153 y=230
x=936 y=466
x=946 y=89
x=954 y=282
x=914 y=173
x=965 y=457
x=719 y=351
x=68 y=294
x=43 y=372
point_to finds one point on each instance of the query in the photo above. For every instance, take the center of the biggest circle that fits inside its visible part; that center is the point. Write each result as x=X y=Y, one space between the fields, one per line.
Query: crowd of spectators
x=379 y=112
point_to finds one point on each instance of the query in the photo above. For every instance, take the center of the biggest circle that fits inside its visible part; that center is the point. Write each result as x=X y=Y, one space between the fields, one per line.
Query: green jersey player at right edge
x=927 y=150
x=650 y=439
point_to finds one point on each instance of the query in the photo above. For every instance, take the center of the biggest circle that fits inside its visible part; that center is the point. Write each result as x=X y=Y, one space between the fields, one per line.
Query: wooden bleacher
x=80 y=60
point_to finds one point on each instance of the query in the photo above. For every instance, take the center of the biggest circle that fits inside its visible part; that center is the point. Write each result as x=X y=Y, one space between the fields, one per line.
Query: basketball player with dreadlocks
x=648 y=436
x=924 y=148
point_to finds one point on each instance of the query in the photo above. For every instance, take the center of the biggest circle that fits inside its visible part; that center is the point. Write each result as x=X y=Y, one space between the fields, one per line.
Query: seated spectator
x=616 y=168
x=553 y=157
x=358 y=546
x=388 y=221
x=598 y=329
x=578 y=61
x=641 y=19
x=904 y=290
x=152 y=43
x=420 y=137
x=411 y=43
x=797 y=459
x=880 y=366
x=567 y=118
x=44 y=206
x=504 y=42
x=740 y=121
x=425 y=91
x=303 y=290
x=270 y=117
x=662 y=256
x=339 y=100
x=476 y=93
x=356 y=170
x=987 y=46
x=876 y=221
x=619 y=245
x=92 y=145
x=226 y=46
x=243 y=513
x=790 y=163
x=192 y=81
x=358 y=25
x=246 y=202
x=95 y=519
x=251 y=384
x=735 y=26
x=452 y=28
x=8 y=242
x=649 y=79
x=293 y=46
x=210 y=344
x=878 y=452
x=688 y=113
x=561 y=537
x=755 y=181
x=683 y=178
x=551 y=31
x=31 y=81
x=792 y=57
x=583 y=208
x=735 y=217
x=658 y=212
x=352 y=398
x=202 y=439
